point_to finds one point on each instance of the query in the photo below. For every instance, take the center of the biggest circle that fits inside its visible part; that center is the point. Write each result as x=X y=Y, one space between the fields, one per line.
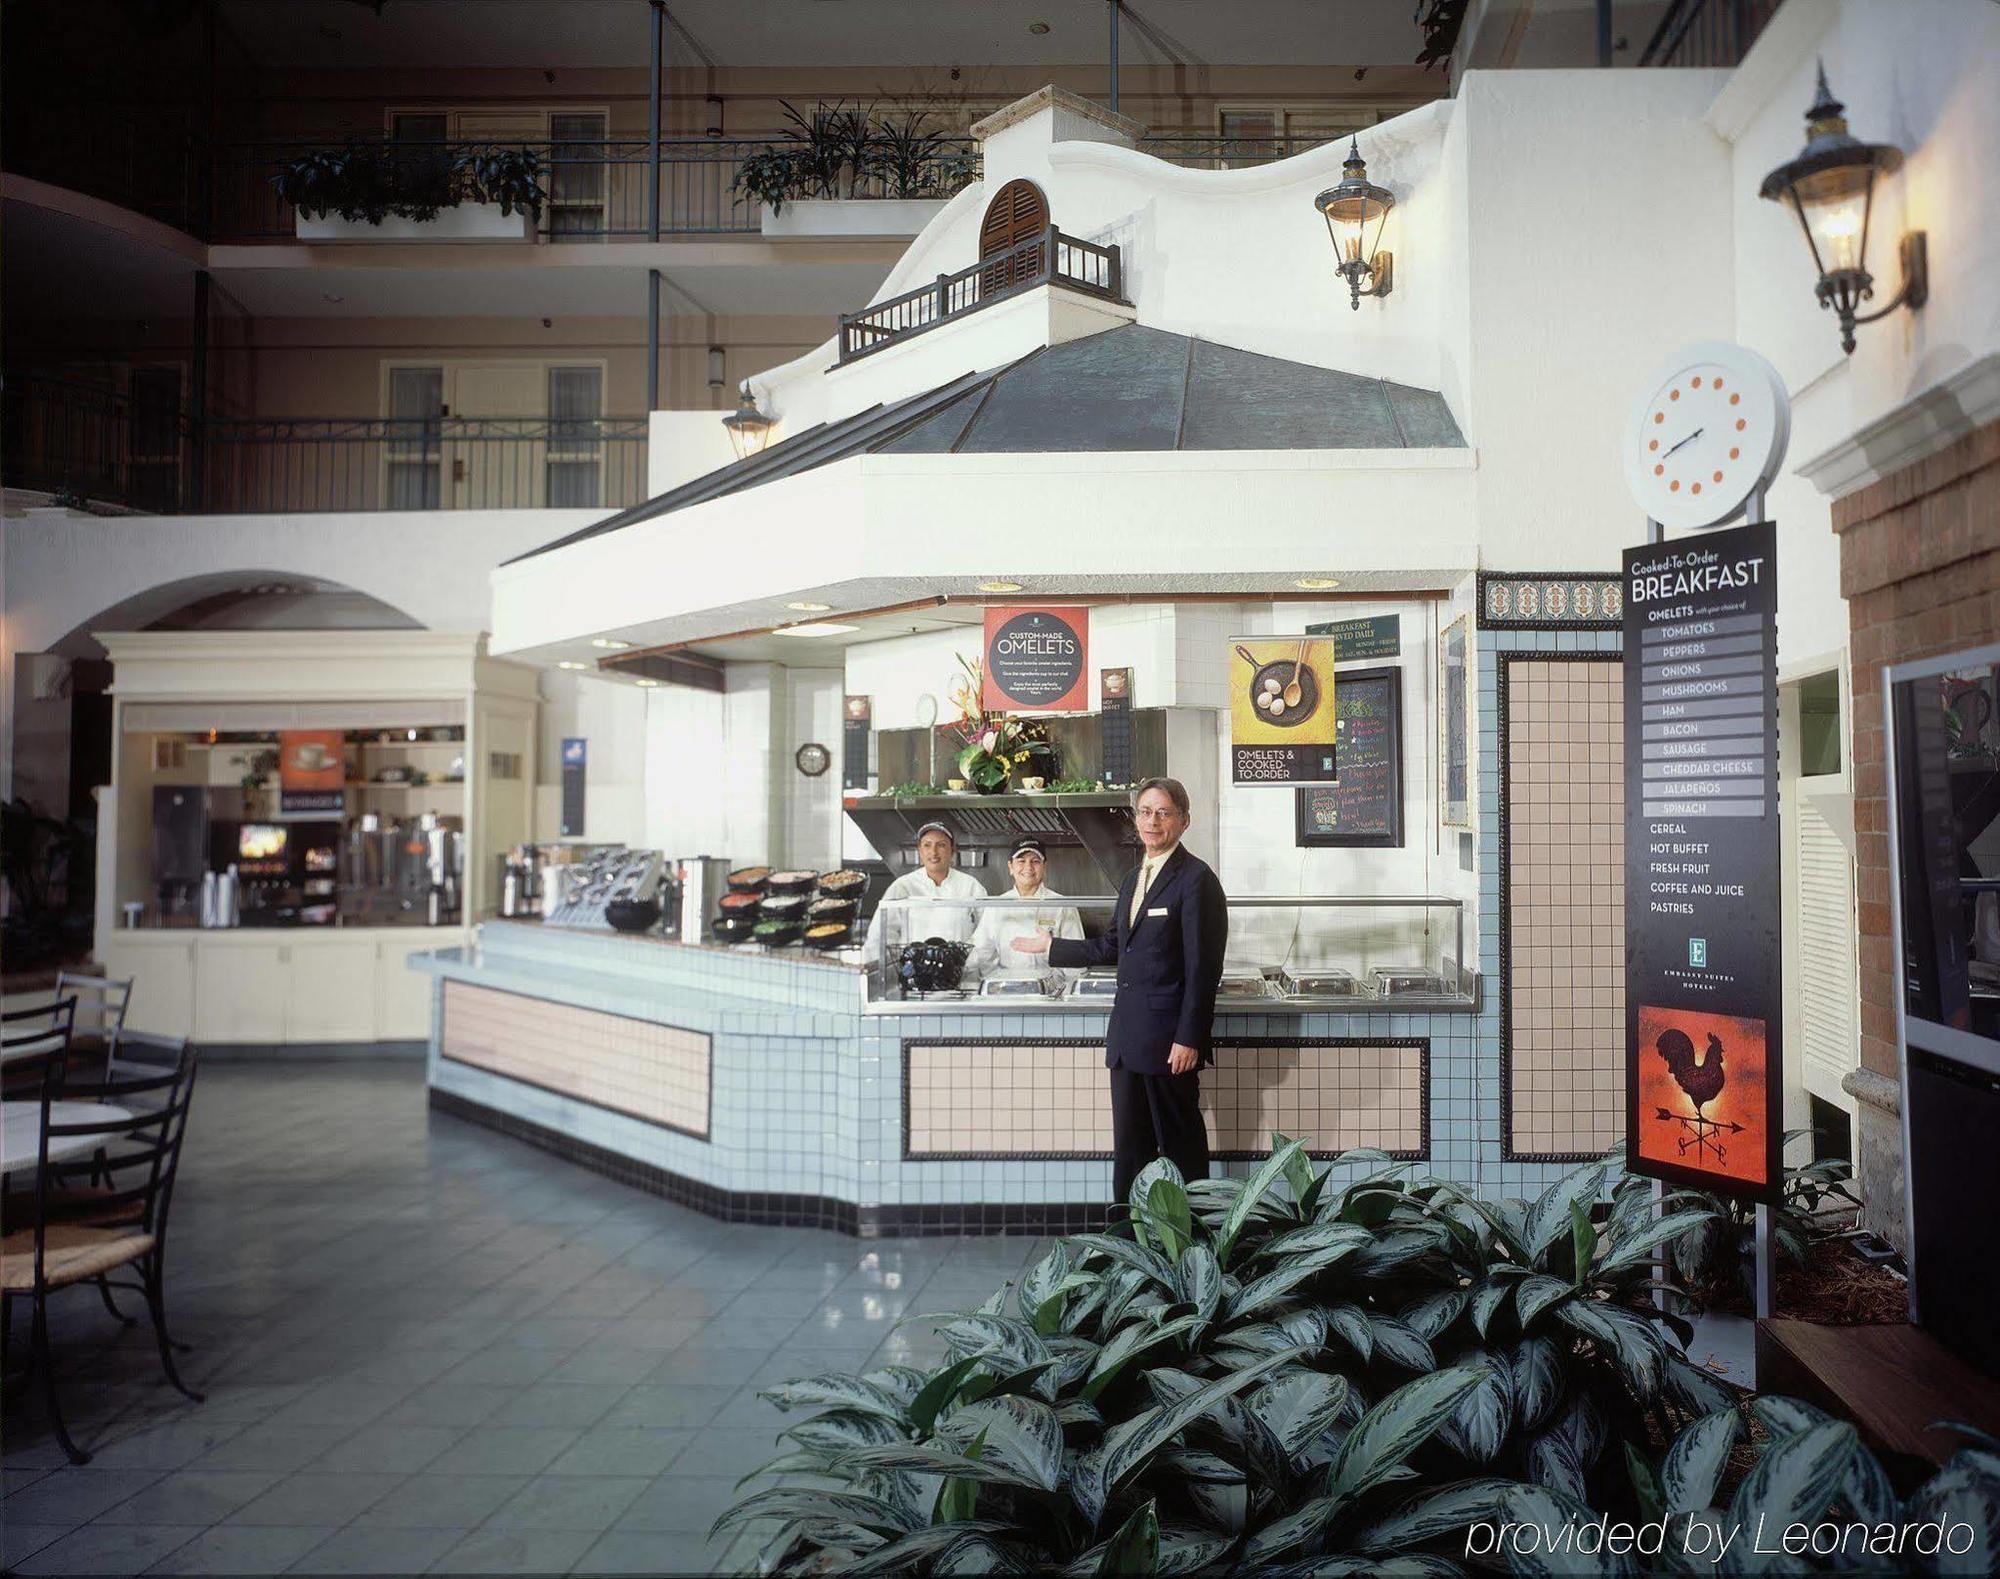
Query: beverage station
x=292 y=815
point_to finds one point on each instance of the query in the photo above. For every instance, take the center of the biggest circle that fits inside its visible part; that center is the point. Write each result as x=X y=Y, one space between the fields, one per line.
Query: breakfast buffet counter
x=766 y=1087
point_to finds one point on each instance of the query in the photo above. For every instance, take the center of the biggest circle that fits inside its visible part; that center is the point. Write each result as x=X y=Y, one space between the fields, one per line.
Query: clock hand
x=1688 y=440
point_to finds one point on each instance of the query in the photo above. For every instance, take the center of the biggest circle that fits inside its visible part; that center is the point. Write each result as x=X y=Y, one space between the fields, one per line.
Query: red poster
x=311 y=759
x=1037 y=660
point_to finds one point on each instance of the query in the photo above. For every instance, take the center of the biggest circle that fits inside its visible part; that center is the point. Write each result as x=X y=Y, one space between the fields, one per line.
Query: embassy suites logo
x=1704 y=1539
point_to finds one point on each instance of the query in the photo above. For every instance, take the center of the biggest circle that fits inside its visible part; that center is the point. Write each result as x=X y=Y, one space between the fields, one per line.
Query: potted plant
x=510 y=176
x=845 y=170
x=371 y=191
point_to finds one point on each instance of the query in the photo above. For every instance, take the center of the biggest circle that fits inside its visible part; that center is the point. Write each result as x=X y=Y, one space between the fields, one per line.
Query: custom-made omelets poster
x=1281 y=718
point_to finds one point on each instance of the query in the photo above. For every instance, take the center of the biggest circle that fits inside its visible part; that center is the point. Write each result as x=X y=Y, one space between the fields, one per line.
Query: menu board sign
x=312 y=768
x=1036 y=660
x=856 y=714
x=1704 y=1061
x=575 y=758
x=1379 y=636
x=1365 y=809
x=1281 y=716
x=1115 y=687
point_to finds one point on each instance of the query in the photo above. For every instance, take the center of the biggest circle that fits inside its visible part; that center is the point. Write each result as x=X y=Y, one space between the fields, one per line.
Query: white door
x=494 y=450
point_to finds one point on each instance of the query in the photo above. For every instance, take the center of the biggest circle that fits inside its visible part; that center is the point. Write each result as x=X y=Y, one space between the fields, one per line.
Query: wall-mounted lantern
x=1350 y=210
x=1831 y=187
x=748 y=427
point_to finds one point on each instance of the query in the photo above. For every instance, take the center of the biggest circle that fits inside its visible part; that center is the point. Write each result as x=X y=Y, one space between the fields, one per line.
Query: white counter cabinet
x=296 y=986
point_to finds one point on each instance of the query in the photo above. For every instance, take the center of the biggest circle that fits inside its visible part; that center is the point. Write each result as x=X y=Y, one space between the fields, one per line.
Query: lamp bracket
x=1913 y=251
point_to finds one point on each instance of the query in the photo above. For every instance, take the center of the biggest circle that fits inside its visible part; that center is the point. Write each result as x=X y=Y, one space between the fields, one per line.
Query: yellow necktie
x=1146 y=870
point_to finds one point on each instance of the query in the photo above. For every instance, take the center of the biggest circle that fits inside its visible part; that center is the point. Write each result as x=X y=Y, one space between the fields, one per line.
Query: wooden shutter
x=1016 y=217
x=1826 y=954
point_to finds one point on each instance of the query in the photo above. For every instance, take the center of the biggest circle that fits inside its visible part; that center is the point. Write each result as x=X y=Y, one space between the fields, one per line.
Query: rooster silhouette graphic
x=1702 y=1078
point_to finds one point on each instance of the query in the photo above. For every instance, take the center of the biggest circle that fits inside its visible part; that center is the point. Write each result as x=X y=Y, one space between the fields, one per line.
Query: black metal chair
x=101 y=1203
x=37 y=1039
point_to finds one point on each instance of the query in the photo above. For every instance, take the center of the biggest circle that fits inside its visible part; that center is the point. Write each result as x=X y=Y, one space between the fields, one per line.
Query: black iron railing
x=597 y=190
x=1707 y=32
x=1051 y=258
x=84 y=446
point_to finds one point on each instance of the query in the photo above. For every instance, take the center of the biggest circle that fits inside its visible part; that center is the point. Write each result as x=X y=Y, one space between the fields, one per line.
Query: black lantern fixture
x=1350 y=209
x=1831 y=187
x=748 y=427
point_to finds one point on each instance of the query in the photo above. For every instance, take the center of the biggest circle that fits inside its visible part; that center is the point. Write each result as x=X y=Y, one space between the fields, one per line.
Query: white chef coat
x=940 y=912
x=999 y=925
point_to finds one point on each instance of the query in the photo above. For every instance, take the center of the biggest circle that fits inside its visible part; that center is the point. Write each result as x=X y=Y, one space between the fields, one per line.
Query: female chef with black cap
x=999 y=925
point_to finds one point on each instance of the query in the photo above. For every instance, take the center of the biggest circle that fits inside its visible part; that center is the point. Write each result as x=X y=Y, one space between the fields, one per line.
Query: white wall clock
x=1709 y=430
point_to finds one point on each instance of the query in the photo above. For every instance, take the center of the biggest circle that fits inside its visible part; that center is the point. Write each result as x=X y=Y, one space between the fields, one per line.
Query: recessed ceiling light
x=570 y=663
x=1038 y=27
x=609 y=643
x=1316 y=583
x=815 y=628
x=647 y=684
x=999 y=586
x=807 y=606
x=330 y=297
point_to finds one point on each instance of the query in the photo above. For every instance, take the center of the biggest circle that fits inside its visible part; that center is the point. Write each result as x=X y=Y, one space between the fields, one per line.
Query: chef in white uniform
x=999 y=925
x=939 y=890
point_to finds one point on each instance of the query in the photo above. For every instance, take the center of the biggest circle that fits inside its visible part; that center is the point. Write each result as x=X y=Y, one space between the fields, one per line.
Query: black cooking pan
x=1281 y=671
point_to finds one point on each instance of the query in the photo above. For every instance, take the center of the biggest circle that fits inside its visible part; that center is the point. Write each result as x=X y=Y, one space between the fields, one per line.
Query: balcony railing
x=1049 y=259
x=84 y=446
x=597 y=190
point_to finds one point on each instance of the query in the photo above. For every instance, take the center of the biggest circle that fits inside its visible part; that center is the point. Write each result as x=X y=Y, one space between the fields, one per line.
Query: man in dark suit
x=1166 y=939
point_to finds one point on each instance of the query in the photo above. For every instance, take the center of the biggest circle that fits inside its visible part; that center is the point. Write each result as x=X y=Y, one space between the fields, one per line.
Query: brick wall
x=1920 y=569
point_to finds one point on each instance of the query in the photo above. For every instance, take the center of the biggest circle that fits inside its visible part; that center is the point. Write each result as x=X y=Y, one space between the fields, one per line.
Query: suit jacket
x=1168 y=964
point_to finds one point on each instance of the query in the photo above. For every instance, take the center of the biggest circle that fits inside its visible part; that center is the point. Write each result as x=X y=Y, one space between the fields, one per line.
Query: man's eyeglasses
x=1157 y=814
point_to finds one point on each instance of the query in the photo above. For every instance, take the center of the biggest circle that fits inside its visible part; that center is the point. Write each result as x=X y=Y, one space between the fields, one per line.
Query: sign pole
x=1766 y=1292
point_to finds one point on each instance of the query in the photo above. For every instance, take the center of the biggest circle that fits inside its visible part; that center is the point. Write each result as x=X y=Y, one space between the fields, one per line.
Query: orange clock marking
x=1659 y=416
x=1734 y=453
x=1735 y=399
x=1741 y=424
x=1718 y=476
x=1673 y=394
x=1697 y=487
x=1657 y=470
x=1674 y=486
x=1653 y=444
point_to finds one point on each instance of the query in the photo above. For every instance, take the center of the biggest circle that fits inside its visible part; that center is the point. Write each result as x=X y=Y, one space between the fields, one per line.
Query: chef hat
x=1029 y=845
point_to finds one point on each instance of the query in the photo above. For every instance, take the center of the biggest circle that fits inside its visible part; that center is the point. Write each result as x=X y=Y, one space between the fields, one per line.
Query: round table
x=21 y=1132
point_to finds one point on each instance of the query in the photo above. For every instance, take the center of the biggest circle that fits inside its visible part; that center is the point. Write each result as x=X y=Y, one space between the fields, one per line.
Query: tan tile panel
x=1565 y=903
x=659 y=1073
x=1030 y=1098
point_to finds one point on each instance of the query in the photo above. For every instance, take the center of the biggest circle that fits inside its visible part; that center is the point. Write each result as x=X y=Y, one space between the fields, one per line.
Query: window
x=1819 y=724
x=421 y=163
x=415 y=449
x=575 y=455
x=153 y=446
x=576 y=177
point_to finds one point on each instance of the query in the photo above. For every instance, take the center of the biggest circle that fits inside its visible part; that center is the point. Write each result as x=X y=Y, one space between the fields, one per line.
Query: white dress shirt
x=1149 y=874
x=999 y=925
x=940 y=910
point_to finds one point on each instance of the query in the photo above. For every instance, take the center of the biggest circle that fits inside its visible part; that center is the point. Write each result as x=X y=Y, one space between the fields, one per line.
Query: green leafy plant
x=509 y=175
x=991 y=757
x=367 y=181
x=1717 y=1263
x=1267 y=1372
x=843 y=150
x=911 y=787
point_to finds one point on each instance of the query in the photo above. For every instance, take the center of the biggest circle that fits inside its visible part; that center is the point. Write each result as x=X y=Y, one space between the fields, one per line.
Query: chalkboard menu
x=1366 y=807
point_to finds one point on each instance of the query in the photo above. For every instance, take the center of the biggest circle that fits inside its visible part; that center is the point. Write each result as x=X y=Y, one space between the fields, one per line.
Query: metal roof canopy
x=1127 y=389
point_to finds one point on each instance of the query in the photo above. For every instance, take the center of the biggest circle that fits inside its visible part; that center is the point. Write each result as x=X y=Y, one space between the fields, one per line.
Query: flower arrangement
x=993 y=745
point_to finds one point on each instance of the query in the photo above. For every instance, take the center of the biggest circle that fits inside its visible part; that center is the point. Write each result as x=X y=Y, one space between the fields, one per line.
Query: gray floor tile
x=398 y=1448
x=75 y=1496
x=679 y=1502
x=645 y=1552
x=165 y=1446
x=20 y=1541
x=340 y=1402
x=512 y=1551
x=706 y=1367
x=242 y=1549
x=578 y=1404
x=669 y=1407
x=273 y=1447
x=362 y=1549
x=310 y=1498
x=733 y=1453
x=622 y=1450
x=568 y=1502
x=452 y=1403
x=506 y=1366
x=108 y=1549
x=192 y=1496
x=434 y=1501
x=516 y=1450
x=597 y=1364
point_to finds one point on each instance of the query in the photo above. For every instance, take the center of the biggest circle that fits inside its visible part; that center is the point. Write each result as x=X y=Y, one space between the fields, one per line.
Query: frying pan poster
x=1281 y=715
x=1704 y=1091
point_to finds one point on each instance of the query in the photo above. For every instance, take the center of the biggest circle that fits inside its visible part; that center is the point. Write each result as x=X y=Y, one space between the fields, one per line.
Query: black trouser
x=1155 y=1116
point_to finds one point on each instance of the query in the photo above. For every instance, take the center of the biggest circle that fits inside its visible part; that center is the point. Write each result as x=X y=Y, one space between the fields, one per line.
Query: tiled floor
x=426 y=1346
